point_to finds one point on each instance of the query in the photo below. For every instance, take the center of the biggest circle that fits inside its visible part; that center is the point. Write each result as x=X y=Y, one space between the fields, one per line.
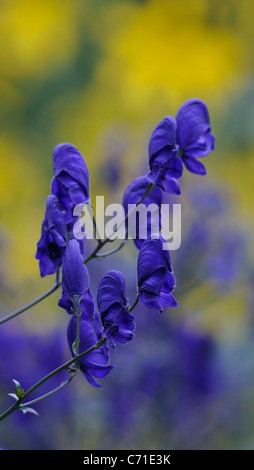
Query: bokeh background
x=101 y=74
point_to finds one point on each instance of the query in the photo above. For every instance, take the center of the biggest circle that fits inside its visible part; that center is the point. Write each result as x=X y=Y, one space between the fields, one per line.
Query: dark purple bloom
x=52 y=244
x=193 y=134
x=75 y=282
x=71 y=181
x=113 y=307
x=94 y=364
x=133 y=195
x=177 y=141
x=165 y=166
x=155 y=279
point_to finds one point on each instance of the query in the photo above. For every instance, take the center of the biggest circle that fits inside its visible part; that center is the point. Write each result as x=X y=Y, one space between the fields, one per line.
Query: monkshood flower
x=52 y=244
x=155 y=279
x=178 y=141
x=113 y=306
x=133 y=195
x=94 y=364
x=71 y=181
x=165 y=166
x=193 y=134
x=75 y=283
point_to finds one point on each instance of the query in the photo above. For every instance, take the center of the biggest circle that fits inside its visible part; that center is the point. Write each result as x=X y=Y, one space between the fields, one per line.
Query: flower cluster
x=94 y=328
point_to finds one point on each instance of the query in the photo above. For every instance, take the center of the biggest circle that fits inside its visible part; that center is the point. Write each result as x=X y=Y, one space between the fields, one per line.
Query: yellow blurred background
x=101 y=74
x=71 y=71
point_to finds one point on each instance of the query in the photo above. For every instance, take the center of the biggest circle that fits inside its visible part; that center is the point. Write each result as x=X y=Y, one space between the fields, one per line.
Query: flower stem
x=135 y=304
x=46 y=294
x=75 y=346
x=63 y=384
x=94 y=224
x=64 y=366
x=108 y=239
x=111 y=252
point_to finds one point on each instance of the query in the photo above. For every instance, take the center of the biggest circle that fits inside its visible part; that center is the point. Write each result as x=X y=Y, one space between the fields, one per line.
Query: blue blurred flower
x=197 y=358
x=75 y=294
x=111 y=173
x=226 y=260
x=71 y=181
x=113 y=307
x=133 y=195
x=177 y=141
x=94 y=364
x=52 y=244
x=155 y=279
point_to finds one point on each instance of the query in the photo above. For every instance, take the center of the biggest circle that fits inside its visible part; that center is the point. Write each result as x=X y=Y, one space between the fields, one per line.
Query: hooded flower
x=179 y=141
x=71 y=181
x=52 y=244
x=193 y=134
x=75 y=282
x=155 y=279
x=133 y=195
x=94 y=364
x=164 y=164
x=113 y=307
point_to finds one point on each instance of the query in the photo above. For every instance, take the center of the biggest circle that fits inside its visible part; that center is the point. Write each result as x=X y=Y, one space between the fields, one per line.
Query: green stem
x=64 y=366
x=46 y=294
x=135 y=304
x=94 y=224
x=75 y=346
x=64 y=384
x=108 y=239
x=111 y=252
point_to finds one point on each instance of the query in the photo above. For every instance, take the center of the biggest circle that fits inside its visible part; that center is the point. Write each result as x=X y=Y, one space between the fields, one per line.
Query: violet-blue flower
x=113 y=307
x=133 y=195
x=179 y=141
x=155 y=278
x=193 y=134
x=75 y=283
x=71 y=181
x=165 y=166
x=94 y=364
x=52 y=244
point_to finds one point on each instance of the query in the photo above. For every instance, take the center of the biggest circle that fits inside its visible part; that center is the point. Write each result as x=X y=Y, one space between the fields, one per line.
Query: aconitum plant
x=97 y=325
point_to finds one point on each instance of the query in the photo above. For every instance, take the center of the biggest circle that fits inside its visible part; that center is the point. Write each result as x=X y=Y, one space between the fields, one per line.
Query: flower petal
x=193 y=129
x=75 y=274
x=163 y=135
x=193 y=165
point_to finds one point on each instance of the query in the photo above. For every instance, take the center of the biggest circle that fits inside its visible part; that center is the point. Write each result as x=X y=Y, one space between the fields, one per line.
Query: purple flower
x=52 y=244
x=155 y=279
x=193 y=134
x=94 y=364
x=133 y=195
x=113 y=307
x=71 y=181
x=75 y=283
x=179 y=141
x=165 y=166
